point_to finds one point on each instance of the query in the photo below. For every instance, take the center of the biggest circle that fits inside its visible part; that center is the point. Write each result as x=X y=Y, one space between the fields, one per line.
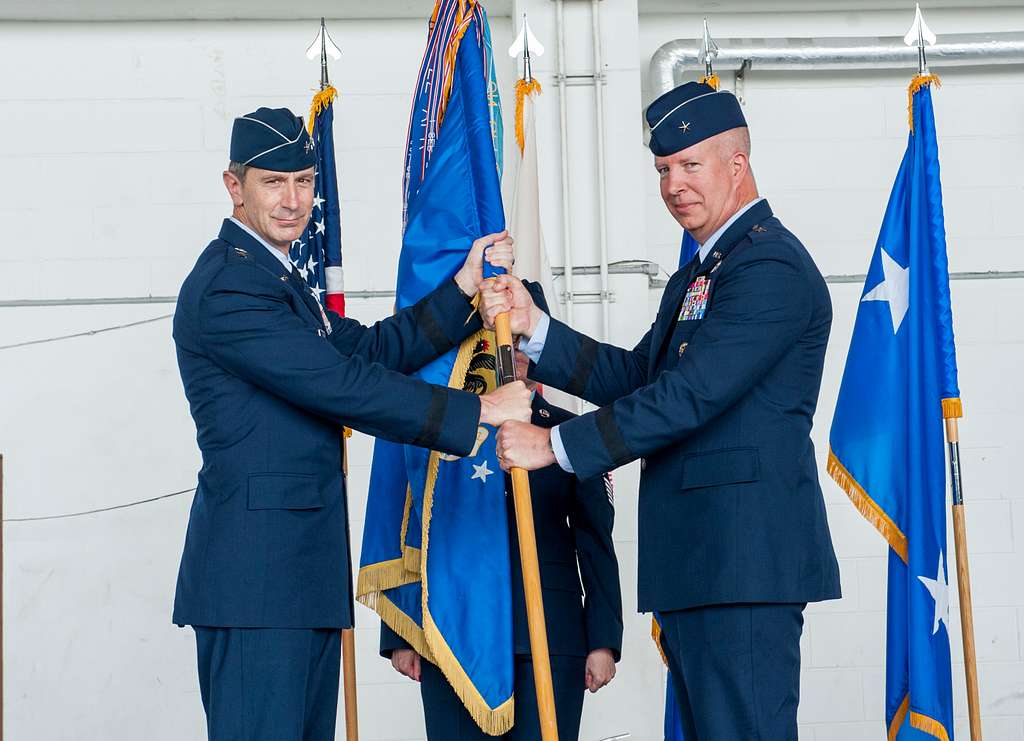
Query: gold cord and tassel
x=523 y=88
x=916 y=84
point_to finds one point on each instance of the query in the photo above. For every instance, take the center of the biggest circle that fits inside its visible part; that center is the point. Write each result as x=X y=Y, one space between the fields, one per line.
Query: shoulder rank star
x=684 y=126
x=758 y=229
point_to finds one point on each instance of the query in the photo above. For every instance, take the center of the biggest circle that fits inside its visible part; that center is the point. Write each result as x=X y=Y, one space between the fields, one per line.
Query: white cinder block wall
x=113 y=148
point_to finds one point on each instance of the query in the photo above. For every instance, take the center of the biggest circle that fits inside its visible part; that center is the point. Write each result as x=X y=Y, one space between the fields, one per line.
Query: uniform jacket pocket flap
x=284 y=491
x=721 y=467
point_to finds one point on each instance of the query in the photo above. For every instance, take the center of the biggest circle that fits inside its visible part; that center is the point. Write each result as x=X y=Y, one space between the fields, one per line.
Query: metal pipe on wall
x=672 y=60
x=602 y=204
x=563 y=133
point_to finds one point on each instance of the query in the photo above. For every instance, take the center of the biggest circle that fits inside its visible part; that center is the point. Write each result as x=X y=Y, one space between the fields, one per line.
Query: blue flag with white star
x=886 y=442
x=435 y=563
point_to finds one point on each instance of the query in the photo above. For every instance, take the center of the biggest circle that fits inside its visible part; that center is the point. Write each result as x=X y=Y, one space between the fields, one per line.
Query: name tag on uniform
x=695 y=303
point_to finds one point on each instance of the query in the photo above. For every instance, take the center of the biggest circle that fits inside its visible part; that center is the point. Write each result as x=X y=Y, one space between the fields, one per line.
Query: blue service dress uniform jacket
x=717 y=400
x=270 y=387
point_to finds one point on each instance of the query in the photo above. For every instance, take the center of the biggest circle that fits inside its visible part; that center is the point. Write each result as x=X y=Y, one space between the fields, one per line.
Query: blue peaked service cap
x=689 y=114
x=272 y=139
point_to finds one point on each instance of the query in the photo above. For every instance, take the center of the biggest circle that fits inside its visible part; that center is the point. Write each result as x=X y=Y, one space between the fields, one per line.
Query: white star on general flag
x=938 y=588
x=481 y=472
x=320 y=227
x=317 y=200
x=895 y=289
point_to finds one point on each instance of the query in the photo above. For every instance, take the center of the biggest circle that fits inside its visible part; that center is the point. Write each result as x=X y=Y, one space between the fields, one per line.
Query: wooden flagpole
x=528 y=556
x=348 y=635
x=348 y=658
x=963 y=578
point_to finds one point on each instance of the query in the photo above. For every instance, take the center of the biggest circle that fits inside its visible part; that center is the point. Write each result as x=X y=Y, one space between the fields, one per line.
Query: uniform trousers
x=448 y=720
x=269 y=684
x=736 y=670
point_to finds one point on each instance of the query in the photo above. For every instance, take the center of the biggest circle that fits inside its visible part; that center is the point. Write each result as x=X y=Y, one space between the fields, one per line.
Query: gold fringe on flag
x=916 y=84
x=523 y=88
x=656 y=637
x=492 y=721
x=867 y=506
x=917 y=720
x=952 y=408
x=711 y=80
x=320 y=102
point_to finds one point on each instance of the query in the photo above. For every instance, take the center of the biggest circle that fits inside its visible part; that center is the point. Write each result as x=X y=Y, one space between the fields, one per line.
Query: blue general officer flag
x=687 y=249
x=673 y=722
x=435 y=561
x=317 y=254
x=886 y=442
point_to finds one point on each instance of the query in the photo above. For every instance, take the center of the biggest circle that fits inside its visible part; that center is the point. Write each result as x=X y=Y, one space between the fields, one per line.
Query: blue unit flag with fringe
x=435 y=561
x=886 y=442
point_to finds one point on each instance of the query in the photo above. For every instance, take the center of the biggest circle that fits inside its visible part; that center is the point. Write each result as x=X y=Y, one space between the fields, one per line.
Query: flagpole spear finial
x=920 y=35
x=323 y=46
x=324 y=81
x=708 y=52
x=527 y=45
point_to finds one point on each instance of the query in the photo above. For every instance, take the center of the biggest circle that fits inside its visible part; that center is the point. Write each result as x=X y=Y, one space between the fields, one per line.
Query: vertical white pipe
x=602 y=205
x=564 y=138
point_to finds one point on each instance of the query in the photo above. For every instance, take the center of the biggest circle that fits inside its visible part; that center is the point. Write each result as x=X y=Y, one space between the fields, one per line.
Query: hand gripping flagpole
x=323 y=46
x=525 y=44
x=952 y=409
x=528 y=555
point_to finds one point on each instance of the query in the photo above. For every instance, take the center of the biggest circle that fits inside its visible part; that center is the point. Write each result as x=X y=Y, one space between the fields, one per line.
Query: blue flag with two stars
x=886 y=442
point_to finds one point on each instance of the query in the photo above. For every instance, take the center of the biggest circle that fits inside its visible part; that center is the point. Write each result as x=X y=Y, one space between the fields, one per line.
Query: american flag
x=317 y=254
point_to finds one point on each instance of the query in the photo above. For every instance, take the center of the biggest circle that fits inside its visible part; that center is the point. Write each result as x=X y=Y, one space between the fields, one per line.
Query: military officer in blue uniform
x=271 y=379
x=717 y=401
x=573 y=521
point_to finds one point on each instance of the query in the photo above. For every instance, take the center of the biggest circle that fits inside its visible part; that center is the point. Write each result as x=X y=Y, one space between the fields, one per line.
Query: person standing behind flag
x=717 y=400
x=271 y=379
x=574 y=526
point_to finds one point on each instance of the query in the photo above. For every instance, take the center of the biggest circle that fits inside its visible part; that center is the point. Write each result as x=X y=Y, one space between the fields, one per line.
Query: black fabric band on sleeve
x=428 y=325
x=611 y=436
x=435 y=418
x=585 y=359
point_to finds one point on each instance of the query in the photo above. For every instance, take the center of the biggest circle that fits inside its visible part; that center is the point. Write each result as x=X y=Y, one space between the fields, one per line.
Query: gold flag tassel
x=320 y=102
x=523 y=88
x=916 y=84
x=711 y=80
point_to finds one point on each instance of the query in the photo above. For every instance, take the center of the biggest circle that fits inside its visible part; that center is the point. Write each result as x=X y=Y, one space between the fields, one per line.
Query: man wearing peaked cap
x=272 y=379
x=716 y=401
